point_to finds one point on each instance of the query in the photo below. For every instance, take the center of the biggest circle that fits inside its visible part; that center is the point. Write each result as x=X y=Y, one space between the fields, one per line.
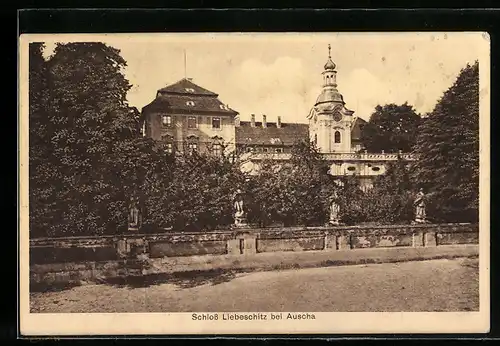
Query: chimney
x=278 y=123
x=252 y=120
x=237 y=121
x=264 y=121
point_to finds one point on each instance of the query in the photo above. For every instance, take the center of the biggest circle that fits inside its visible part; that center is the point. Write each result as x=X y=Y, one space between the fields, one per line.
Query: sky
x=280 y=74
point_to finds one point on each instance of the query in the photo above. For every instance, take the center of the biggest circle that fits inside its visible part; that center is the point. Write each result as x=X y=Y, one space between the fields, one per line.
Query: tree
x=391 y=198
x=86 y=123
x=351 y=200
x=297 y=192
x=448 y=151
x=191 y=192
x=43 y=176
x=391 y=128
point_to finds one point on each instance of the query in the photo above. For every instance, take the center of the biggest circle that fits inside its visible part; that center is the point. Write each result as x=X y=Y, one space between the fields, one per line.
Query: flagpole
x=185 y=64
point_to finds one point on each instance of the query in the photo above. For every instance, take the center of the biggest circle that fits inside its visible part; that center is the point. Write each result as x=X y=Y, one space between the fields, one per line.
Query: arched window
x=168 y=143
x=217 y=149
x=192 y=144
x=336 y=138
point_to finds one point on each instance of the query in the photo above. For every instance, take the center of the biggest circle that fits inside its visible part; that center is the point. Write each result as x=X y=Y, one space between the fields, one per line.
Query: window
x=351 y=168
x=166 y=120
x=337 y=137
x=264 y=150
x=169 y=148
x=216 y=123
x=189 y=90
x=223 y=107
x=217 y=149
x=192 y=147
x=249 y=149
x=191 y=122
x=279 y=150
x=315 y=139
x=376 y=169
x=190 y=103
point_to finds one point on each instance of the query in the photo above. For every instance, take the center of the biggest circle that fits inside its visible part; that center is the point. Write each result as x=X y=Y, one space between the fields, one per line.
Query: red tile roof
x=287 y=135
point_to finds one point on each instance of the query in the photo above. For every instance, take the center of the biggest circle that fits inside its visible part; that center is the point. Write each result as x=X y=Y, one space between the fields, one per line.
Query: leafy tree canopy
x=84 y=124
x=448 y=149
x=391 y=128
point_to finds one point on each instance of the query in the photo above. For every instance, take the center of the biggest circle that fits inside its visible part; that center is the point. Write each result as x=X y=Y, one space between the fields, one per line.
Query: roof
x=180 y=104
x=186 y=86
x=329 y=95
x=287 y=135
x=356 y=129
x=330 y=65
x=185 y=97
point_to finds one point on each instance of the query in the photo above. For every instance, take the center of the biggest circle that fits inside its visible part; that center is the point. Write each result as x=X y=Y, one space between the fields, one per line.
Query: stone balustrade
x=331 y=156
x=243 y=241
x=73 y=259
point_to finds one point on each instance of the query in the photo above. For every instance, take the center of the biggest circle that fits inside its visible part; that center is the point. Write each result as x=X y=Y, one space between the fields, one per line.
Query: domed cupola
x=329 y=93
x=330 y=65
x=329 y=120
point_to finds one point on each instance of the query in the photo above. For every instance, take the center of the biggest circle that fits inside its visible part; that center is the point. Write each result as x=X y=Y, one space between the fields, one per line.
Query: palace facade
x=185 y=117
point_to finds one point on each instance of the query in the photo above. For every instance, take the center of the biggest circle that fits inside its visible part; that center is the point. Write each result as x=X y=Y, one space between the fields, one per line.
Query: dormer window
x=190 y=103
x=223 y=107
x=189 y=90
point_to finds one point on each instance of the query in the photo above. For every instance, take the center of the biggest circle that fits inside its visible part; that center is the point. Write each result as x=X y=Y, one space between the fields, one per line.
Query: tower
x=330 y=121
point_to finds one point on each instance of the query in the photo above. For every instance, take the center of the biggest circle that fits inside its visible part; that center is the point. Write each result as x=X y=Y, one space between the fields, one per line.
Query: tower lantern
x=329 y=120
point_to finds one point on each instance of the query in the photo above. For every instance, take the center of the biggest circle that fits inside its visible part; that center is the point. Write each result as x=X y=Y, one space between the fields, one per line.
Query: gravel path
x=436 y=285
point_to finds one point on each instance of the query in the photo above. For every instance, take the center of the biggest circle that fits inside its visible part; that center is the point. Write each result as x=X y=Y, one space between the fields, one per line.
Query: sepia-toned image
x=254 y=183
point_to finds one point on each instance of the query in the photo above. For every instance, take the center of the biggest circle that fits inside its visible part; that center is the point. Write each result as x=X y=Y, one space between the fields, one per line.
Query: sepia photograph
x=254 y=183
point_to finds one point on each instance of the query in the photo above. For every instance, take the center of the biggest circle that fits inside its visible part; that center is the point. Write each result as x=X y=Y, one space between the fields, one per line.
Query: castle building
x=268 y=137
x=336 y=132
x=185 y=117
x=330 y=121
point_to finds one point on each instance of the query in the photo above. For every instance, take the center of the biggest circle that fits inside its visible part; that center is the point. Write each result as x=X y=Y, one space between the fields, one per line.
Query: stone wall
x=60 y=259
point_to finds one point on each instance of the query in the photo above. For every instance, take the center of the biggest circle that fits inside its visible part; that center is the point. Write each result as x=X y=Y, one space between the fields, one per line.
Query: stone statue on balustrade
x=334 y=219
x=419 y=204
x=134 y=214
x=240 y=219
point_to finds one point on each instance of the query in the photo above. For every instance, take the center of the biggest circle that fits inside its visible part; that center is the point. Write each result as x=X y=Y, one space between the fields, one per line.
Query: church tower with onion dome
x=330 y=122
